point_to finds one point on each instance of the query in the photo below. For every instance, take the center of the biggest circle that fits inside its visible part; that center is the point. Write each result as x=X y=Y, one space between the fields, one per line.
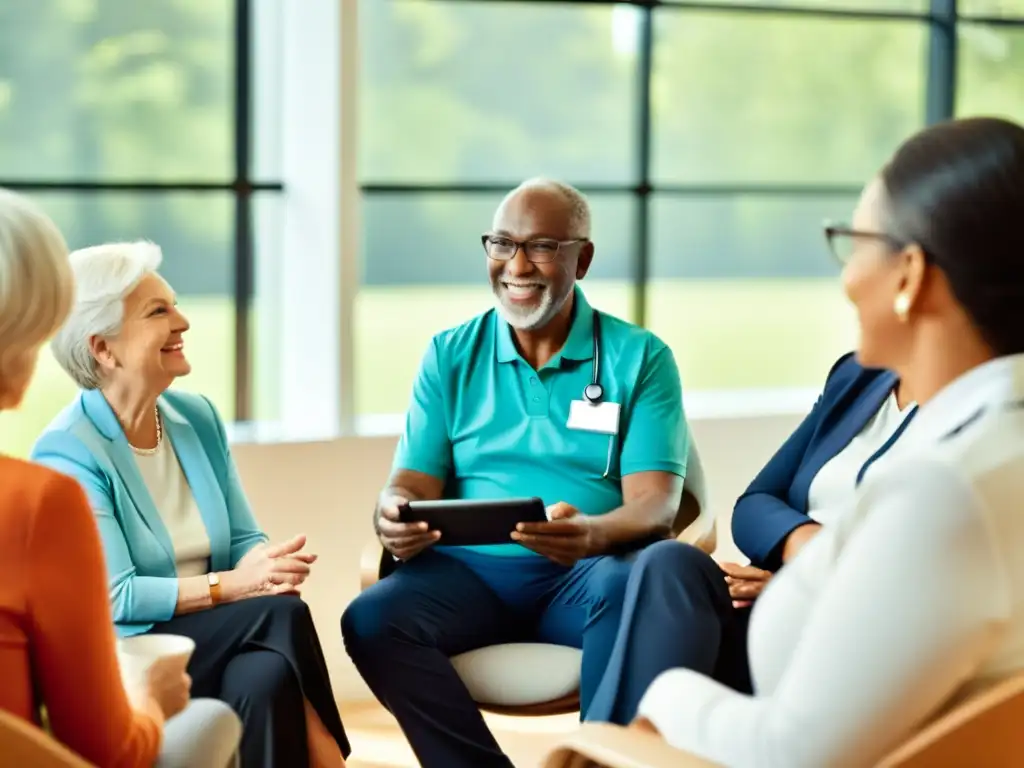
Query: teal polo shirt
x=490 y=426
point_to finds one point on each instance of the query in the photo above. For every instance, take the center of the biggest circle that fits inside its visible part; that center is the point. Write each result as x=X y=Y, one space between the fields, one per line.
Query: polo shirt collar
x=580 y=343
x=506 y=347
x=578 y=346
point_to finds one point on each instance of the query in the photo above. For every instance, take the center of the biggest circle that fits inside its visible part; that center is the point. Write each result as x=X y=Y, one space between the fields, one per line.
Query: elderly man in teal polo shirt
x=494 y=414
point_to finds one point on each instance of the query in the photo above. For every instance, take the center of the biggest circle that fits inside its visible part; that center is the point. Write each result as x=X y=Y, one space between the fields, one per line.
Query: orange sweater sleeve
x=72 y=636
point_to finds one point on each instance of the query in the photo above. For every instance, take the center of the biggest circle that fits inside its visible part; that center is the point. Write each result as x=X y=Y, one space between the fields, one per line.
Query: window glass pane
x=744 y=289
x=195 y=233
x=456 y=91
x=990 y=76
x=992 y=8
x=265 y=323
x=756 y=98
x=424 y=270
x=116 y=90
x=885 y=6
x=266 y=75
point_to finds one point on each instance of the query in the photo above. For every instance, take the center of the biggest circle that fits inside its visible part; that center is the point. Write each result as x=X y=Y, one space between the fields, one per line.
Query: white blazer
x=911 y=600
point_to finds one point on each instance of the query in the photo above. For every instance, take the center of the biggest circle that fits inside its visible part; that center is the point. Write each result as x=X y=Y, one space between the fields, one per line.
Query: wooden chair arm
x=695 y=521
x=369 y=563
x=706 y=541
x=612 y=746
x=984 y=730
x=21 y=743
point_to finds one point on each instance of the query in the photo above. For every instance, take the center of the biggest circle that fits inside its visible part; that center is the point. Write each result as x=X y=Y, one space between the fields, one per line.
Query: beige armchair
x=22 y=743
x=985 y=731
x=541 y=678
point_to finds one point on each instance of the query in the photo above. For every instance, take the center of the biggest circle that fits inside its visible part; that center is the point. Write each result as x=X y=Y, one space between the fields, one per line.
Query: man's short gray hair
x=104 y=276
x=35 y=281
x=576 y=202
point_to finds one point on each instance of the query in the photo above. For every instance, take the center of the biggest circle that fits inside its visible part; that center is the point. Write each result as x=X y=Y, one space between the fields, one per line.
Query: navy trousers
x=677 y=613
x=401 y=632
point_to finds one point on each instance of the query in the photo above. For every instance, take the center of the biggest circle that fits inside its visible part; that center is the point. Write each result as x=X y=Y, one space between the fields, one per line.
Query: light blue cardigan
x=86 y=442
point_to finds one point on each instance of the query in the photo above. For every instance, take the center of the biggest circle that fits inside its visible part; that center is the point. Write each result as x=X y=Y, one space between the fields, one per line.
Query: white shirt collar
x=990 y=384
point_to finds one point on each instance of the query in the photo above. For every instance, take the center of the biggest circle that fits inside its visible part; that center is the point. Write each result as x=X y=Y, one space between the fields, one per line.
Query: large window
x=711 y=139
x=130 y=120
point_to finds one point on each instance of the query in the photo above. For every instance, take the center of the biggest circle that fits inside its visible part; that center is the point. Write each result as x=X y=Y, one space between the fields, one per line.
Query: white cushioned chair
x=541 y=678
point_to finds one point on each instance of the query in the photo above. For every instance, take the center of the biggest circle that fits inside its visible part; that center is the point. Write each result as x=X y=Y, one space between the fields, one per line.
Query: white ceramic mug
x=137 y=655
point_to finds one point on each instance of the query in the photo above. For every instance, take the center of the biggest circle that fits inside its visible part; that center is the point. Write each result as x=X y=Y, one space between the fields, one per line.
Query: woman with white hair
x=184 y=552
x=56 y=643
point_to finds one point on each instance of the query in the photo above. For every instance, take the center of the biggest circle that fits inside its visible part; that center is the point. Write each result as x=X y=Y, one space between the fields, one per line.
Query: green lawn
x=726 y=334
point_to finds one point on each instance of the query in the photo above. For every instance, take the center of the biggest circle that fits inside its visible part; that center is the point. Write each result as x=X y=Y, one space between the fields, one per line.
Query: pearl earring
x=901 y=306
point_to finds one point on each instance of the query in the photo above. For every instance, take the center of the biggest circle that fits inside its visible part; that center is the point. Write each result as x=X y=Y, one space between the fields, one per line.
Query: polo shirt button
x=536 y=399
x=533 y=379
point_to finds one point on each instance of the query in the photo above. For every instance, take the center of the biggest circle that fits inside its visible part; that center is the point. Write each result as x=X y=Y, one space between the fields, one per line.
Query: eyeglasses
x=842 y=240
x=540 y=251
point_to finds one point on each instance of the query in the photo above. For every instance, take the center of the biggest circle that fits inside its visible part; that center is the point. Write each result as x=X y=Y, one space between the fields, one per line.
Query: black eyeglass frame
x=524 y=246
x=835 y=230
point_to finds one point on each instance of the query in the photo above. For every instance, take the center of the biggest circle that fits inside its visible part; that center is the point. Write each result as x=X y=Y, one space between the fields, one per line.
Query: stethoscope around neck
x=593 y=393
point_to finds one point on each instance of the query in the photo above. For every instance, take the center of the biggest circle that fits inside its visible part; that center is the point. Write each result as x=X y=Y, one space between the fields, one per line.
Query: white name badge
x=603 y=417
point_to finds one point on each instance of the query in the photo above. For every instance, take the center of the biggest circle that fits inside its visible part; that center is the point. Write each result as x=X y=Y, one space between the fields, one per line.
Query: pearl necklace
x=159 y=437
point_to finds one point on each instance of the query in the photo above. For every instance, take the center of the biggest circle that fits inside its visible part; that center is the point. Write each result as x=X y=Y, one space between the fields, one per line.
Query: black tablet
x=468 y=522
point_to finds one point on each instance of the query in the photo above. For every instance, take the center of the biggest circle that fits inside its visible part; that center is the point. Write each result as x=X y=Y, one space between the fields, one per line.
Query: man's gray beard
x=538 y=317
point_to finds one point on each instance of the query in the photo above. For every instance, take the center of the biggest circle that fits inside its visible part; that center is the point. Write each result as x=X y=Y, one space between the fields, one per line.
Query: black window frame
x=243 y=186
x=942 y=18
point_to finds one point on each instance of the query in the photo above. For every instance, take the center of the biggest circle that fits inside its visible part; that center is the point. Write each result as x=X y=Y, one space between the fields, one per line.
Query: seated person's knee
x=276 y=678
x=674 y=558
x=287 y=610
x=206 y=734
x=365 y=621
x=287 y=607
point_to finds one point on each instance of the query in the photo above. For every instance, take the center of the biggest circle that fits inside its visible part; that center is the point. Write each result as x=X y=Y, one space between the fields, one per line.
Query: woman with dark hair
x=914 y=596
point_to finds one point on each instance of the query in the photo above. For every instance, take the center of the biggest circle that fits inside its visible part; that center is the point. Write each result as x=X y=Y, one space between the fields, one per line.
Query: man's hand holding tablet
x=473 y=522
x=403 y=540
x=566 y=537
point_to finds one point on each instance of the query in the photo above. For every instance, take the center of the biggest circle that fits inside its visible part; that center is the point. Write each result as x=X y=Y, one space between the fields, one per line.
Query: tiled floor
x=377 y=741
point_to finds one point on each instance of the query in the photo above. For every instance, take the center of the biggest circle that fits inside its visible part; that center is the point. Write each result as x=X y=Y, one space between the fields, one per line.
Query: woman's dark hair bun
x=957 y=189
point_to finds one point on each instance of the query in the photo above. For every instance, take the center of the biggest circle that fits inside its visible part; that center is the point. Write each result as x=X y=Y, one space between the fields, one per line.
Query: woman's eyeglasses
x=842 y=240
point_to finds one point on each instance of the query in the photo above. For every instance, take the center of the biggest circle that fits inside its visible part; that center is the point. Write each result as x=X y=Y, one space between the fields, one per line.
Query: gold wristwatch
x=214 y=579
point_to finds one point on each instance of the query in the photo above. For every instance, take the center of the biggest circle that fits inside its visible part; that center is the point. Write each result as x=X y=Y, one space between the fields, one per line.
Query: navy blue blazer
x=776 y=501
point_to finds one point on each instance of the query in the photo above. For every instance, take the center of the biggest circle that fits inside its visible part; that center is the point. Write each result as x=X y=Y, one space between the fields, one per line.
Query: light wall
x=327 y=490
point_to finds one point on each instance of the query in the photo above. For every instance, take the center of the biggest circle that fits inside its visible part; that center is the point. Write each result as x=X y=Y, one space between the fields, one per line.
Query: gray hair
x=576 y=202
x=104 y=276
x=36 y=285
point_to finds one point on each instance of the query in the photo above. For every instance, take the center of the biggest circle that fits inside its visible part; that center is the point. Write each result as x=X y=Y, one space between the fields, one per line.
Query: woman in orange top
x=56 y=630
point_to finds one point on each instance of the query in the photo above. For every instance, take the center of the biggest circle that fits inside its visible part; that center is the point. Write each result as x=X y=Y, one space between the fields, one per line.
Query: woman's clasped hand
x=269 y=569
